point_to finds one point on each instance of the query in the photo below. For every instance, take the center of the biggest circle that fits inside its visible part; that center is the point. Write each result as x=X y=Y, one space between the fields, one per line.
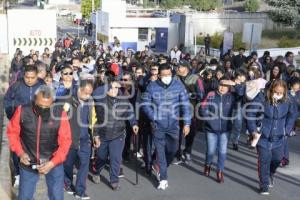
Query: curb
x=6 y=190
x=5 y=173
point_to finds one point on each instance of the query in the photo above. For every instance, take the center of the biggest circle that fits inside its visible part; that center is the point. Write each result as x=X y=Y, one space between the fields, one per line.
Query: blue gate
x=161 y=42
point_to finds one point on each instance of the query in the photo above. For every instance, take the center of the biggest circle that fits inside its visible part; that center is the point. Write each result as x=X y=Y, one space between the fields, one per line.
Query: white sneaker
x=17 y=181
x=139 y=155
x=163 y=185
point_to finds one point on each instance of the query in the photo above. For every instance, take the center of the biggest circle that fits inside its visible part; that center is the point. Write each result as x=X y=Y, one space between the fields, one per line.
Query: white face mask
x=277 y=97
x=166 y=80
x=212 y=68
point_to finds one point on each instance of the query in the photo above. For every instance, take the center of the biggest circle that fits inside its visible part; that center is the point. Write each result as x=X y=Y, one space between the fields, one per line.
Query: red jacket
x=64 y=140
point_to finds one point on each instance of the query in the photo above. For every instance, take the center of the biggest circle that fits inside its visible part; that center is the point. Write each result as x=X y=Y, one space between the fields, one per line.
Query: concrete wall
x=26 y=32
x=173 y=36
x=124 y=34
x=3 y=34
x=234 y=21
x=62 y=2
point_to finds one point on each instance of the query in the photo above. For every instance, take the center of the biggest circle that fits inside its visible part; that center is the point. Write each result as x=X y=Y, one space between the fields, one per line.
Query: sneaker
x=156 y=171
x=264 y=191
x=115 y=186
x=143 y=165
x=235 y=147
x=96 y=179
x=187 y=157
x=17 y=181
x=139 y=155
x=121 y=173
x=83 y=197
x=163 y=185
x=177 y=161
x=293 y=133
x=69 y=190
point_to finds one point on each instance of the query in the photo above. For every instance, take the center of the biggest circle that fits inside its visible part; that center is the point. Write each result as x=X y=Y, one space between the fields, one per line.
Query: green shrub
x=200 y=40
x=237 y=41
x=252 y=5
x=217 y=38
x=278 y=34
x=285 y=42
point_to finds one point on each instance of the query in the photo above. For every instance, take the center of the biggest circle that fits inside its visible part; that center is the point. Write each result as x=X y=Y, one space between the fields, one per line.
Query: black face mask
x=43 y=112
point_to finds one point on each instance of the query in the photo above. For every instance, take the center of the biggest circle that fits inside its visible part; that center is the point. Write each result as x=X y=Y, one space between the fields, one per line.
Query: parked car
x=159 y=14
x=64 y=12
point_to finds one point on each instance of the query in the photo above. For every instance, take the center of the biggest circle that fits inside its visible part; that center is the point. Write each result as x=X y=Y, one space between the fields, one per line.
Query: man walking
x=81 y=104
x=195 y=89
x=21 y=93
x=39 y=133
x=164 y=102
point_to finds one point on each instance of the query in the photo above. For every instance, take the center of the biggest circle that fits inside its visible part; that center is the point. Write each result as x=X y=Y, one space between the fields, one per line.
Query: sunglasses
x=124 y=79
x=68 y=73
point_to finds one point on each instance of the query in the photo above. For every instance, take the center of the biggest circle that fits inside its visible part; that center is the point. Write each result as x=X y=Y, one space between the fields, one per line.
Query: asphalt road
x=186 y=182
x=66 y=26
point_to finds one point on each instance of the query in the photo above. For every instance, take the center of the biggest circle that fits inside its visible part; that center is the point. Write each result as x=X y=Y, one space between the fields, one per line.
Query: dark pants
x=268 y=161
x=83 y=156
x=126 y=151
x=189 y=139
x=54 y=180
x=166 y=148
x=113 y=149
x=207 y=50
x=16 y=161
x=147 y=144
x=286 y=153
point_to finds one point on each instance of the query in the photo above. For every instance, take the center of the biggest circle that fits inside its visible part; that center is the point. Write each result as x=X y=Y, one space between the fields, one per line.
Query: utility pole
x=93 y=6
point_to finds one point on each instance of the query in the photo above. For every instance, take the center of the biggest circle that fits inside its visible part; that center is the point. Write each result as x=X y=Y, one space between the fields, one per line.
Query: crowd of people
x=84 y=106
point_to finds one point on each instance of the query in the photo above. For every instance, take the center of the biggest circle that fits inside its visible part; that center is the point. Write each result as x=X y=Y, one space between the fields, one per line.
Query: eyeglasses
x=68 y=74
x=124 y=79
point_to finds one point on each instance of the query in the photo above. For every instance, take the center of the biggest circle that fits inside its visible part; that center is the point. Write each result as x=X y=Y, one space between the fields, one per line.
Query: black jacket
x=112 y=114
x=39 y=136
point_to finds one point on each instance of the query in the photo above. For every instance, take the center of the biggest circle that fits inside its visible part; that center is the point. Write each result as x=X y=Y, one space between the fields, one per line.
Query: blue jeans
x=268 y=162
x=54 y=180
x=83 y=155
x=216 y=141
x=112 y=149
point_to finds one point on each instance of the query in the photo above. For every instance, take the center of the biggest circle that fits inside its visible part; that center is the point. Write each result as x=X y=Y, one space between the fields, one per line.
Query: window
x=143 y=34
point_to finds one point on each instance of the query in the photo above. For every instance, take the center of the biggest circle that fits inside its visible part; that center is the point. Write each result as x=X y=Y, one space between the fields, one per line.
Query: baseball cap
x=184 y=63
